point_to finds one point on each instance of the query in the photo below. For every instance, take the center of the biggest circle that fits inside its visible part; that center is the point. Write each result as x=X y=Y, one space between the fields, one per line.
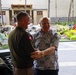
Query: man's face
x=45 y=24
x=26 y=22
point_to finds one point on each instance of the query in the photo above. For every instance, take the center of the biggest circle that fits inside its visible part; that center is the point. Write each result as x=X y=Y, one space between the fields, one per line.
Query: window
x=39 y=13
x=3 y=12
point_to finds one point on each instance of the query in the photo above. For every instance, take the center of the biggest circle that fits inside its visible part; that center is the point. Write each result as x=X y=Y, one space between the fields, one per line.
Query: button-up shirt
x=42 y=42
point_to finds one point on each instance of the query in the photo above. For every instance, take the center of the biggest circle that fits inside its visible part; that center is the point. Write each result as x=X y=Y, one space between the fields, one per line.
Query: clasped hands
x=36 y=55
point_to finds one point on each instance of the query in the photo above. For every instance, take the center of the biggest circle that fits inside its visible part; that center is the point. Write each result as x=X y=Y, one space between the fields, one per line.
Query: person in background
x=20 y=45
x=15 y=24
x=46 y=46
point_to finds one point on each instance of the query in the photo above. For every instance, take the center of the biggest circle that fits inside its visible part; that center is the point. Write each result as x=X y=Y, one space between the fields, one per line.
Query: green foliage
x=62 y=29
x=2 y=36
x=60 y=23
x=55 y=23
x=71 y=34
x=68 y=34
x=74 y=21
x=73 y=37
x=3 y=41
x=4 y=46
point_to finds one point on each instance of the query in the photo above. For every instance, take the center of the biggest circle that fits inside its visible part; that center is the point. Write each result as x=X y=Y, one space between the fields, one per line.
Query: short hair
x=43 y=18
x=20 y=15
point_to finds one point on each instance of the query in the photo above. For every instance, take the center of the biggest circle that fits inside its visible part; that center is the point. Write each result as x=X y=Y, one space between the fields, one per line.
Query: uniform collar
x=20 y=28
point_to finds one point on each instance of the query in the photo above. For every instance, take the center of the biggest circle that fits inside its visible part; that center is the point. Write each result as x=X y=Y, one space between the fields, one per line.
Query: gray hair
x=43 y=18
